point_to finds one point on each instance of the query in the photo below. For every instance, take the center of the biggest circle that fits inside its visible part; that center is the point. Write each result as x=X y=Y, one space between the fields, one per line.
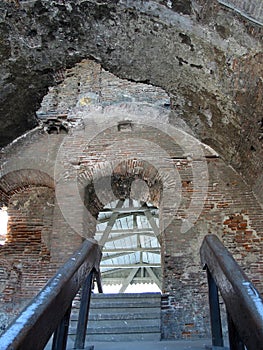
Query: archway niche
x=25 y=255
x=3 y=224
x=28 y=197
x=131 y=260
x=126 y=206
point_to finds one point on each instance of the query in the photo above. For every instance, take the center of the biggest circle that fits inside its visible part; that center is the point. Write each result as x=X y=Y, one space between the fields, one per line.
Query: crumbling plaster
x=206 y=56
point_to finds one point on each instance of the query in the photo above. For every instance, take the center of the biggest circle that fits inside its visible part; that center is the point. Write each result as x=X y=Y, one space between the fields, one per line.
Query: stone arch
x=18 y=183
x=12 y=181
x=101 y=149
x=15 y=189
x=123 y=183
x=135 y=181
x=128 y=230
x=29 y=197
x=226 y=66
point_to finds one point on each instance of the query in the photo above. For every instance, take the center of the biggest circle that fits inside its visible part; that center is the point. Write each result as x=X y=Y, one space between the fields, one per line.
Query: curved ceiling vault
x=205 y=55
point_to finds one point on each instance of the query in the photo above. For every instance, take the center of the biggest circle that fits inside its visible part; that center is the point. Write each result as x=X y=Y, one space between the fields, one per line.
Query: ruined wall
x=25 y=257
x=96 y=126
x=206 y=56
x=229 y=213
x=252 y=10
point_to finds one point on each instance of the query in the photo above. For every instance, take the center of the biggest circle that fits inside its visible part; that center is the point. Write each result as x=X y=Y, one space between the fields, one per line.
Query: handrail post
x=243 y=302
x=83 y=312
x=98 y=280
x=61 y=334
x=234 y=341
x=40 y=319
x=215 y=317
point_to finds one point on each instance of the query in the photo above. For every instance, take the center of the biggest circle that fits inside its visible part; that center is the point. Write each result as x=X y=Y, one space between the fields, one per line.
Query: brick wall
x=118 y=131
x=25 y=257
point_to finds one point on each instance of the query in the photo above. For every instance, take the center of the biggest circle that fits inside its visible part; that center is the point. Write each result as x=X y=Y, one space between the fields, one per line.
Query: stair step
x=99 y=301
x=122 y=317
x=125 y=300
x=111 y=314
x=129 y=337
x=116 y=296
x=119 y=329
x=144 y=344
x=123 y=304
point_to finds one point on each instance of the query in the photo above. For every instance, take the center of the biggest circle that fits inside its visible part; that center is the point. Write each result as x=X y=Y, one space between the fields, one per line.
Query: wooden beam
x=128 y=280
x=116 y=280
x=128 y=266
x=125 y=235
x=152 y=223
x=132 y=250
x=113 y=256
x=124 y=215
x=154 y=277
x=110 y=224
x=130 y=230
x=109 y=272
x=129 y=210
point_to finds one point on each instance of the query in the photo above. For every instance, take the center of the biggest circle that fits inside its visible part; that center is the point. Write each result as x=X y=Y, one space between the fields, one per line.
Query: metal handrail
x=255 y=16
x=49 y=311
x=243 y=302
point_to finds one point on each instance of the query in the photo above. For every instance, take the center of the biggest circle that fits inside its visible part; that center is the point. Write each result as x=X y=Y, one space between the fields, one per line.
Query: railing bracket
x=243 y=303
x=49 y=311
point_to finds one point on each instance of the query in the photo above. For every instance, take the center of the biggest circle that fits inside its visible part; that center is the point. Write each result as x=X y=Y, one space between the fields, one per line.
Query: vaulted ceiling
x=208 y=57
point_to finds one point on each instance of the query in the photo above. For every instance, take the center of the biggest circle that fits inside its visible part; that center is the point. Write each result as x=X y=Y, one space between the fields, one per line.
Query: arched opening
x=29 y=226
x=3 y=224
x=27 y=196
x=126 y=207
x=128 y=229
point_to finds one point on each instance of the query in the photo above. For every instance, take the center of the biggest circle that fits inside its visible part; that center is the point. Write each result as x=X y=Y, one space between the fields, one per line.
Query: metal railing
x=49 y=312
x=244 y=305
x=250 y=9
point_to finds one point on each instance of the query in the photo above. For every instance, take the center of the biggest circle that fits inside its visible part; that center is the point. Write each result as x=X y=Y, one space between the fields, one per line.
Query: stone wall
x=206 y=56
x=99 y=135
x=25 y=256
x=253 y=10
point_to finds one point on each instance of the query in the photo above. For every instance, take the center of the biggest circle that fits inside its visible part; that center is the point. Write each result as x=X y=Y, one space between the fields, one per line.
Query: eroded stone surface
x=118 y=133
x=207 y=58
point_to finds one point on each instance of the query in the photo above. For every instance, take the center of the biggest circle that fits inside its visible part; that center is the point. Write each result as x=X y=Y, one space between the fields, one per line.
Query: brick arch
x=186 y=74
x=130 y=179
x=27 y=250
x=121 y=184
x=29 y=195
x=13 y=181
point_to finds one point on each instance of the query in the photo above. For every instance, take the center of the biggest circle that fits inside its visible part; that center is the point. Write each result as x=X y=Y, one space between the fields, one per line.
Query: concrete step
x=121 y=328
x=123 y=324
x=123 y=337
x=199 y=344
x=122 y=317
x=120 y=314
x=124 y=301
x=150 y=345
x=123 y=304
x=123 y=296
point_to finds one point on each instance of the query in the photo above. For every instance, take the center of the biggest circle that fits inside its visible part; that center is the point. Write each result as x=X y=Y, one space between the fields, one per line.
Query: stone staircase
x=122 y=317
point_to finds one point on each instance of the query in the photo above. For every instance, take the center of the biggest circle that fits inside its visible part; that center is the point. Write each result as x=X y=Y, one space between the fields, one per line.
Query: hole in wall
x=125 y=125
x=53 y=130
x=3 y=224
x=131 y=260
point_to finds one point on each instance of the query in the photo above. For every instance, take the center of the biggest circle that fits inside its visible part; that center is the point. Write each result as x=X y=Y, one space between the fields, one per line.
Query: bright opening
x=131 y=261
x=3 y=224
